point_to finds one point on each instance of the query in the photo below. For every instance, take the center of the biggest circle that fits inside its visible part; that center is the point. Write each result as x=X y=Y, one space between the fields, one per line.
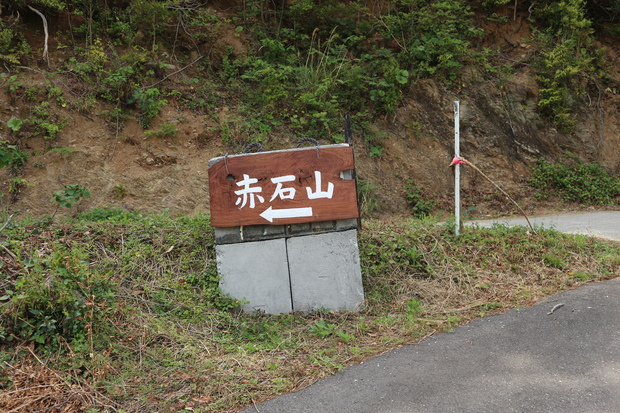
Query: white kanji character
x=283 y=193
x=248 y=192
x=318 y=193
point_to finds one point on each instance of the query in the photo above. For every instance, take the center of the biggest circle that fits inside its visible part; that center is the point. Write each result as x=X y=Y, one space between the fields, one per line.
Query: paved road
x=604 y=224
x=561 y=355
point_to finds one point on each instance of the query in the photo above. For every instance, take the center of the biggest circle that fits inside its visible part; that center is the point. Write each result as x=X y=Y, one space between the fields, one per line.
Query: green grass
x=124 y=310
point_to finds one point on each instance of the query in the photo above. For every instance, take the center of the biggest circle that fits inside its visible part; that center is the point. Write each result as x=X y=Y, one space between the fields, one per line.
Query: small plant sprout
x=15 y=124
x=69 y=196
x=119 y=191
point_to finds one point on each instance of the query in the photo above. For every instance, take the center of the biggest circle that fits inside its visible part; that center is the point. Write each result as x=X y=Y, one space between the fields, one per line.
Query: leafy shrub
x=415 y=198
x=12 y=156
x=70 y=195
x=568 y=60
x=575 y=181
x=46 y=122
x=57 y=300
x=433 y=37
x=149 y=104
x=13 y=45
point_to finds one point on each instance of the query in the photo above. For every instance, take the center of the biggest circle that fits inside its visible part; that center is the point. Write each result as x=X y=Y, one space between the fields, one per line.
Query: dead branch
x=7 y=222
x=173 y=73
x=45 y=53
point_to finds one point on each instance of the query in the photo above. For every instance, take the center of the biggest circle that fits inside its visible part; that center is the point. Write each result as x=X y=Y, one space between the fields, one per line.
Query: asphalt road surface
x=561 y=355
x=604 y=224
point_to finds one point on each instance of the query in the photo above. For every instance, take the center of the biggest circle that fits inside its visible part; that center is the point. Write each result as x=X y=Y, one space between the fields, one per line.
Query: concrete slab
x=325 y=271
x=258 y=272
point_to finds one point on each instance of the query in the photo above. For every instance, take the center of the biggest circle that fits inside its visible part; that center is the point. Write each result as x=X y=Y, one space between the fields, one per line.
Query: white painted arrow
x=270 y=214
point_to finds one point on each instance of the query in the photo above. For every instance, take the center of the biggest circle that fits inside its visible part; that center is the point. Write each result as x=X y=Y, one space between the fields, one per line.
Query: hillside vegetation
x=144 y=92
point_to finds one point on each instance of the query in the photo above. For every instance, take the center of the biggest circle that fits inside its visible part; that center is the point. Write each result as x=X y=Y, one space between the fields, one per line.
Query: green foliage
x=58 y=300
x=63 y=151
x=554 y=261
x=559 y=76
x=166 y=130
x=15 y=124
x=385 y=89
x=70 y=195
x=151 y=17
x=6 y=154
x=567 y=62
x=414 y=307
x=12 y=156
x=395 y=252
x=127 y=296
x=13 y=45
x=322 y=329
x=16 y=185
x=46 y=122
x=14 y=87
x=433 y=37
x=66 y=295
x=149 y=103
x=575 y=181
x=415 y=198
x=101 y=214
x=120 y=191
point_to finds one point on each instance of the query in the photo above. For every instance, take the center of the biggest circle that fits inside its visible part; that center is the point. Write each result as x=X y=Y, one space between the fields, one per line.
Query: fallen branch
x=173 y=73
x=458 y=159
x=45 y=53
x=7 y=222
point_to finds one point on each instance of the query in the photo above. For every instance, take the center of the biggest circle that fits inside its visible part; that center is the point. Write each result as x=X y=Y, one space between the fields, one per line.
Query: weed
x=167 y=130
x=101 y=214
x=414 y=307
x=322 y=329
x=16 y=186
x=376 y=151
x=149 y=104
x=345 y=337
x=46 y=122
x=15 y=124
x=14 y=88
x=127 y=295
x=69 y=196
x=120 y=191
x=415 y=198
x=12 y=156
x=64 y=151
x=554 y=261
x=366 y=198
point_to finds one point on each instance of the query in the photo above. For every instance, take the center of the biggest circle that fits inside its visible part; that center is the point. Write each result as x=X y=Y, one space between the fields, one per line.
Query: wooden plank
x=284 y=187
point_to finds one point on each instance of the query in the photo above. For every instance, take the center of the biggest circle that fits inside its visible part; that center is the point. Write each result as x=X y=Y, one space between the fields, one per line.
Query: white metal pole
x=457 y=172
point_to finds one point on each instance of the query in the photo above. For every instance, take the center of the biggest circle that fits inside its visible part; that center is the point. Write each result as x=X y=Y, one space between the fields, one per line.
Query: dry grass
x=419 y=280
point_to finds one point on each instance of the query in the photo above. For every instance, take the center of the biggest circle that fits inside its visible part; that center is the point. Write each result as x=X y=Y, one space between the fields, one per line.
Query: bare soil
x=501 y=132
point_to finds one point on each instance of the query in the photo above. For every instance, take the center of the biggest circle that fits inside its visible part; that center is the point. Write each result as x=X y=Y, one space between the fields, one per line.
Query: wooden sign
x=283 y=187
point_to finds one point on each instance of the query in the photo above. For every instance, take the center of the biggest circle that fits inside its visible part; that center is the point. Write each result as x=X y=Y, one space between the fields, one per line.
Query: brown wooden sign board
x=283 y=187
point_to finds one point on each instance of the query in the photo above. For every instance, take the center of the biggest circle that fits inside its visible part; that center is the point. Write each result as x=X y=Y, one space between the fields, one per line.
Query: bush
x=575 y=181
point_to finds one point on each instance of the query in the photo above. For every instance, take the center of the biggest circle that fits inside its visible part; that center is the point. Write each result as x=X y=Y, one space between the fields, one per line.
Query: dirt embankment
x=501 y=132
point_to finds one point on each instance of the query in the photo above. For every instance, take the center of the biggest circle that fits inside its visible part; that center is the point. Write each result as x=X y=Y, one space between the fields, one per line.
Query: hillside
x=88 y=118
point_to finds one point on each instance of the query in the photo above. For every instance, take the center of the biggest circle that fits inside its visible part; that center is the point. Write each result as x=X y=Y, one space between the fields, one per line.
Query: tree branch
x=45 y=53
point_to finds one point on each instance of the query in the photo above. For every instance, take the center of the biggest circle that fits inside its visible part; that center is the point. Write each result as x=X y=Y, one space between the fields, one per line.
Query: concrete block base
x=303 y=273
